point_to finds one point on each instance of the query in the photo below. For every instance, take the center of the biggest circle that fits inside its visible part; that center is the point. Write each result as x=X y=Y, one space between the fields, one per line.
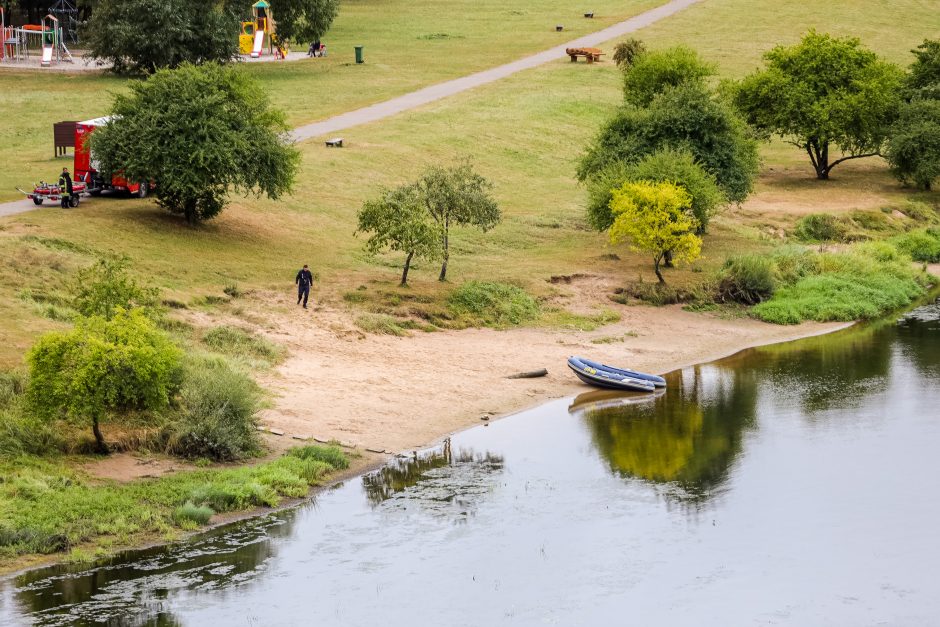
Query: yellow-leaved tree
x=655 y=218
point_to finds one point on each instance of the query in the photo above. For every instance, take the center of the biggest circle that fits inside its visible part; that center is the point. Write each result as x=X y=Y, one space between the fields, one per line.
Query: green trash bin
x=359 y=54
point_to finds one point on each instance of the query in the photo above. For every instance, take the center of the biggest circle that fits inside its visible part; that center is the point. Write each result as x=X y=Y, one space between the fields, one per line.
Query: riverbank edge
x=366 y=463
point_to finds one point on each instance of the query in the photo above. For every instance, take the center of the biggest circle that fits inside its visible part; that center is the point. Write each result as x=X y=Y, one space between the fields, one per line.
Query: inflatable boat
x=598 y=374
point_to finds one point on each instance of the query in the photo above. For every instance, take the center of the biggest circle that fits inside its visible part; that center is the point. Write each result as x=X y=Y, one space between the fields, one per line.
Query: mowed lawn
x=525 y=133
x=409 y=44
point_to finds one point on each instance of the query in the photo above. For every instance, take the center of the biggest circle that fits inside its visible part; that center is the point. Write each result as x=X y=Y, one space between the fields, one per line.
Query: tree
x=102 y=367
x=913 y=148
x=398 y=220
x=296 y=20
x=655 y=218
x=664 y=165
x=142 y=36
x=626 y=52
x=457 y=196
x=685 y=117
x=653 y=72
x=923 y=79
x=199 y=132
x=824 y=92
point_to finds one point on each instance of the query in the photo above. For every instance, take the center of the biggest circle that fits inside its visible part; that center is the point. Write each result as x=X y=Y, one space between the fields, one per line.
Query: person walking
x=304 y=280
x=65 y=188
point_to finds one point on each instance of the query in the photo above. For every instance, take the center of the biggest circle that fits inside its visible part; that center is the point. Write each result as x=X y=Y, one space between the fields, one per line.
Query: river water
x=794 y=484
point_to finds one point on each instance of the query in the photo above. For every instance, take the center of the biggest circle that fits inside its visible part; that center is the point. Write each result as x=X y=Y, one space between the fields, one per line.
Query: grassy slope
x=470 y=36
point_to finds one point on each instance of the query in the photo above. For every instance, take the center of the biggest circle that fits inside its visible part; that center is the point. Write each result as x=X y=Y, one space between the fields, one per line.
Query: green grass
x=46 y=506
x=243 y=343
x=486 y=303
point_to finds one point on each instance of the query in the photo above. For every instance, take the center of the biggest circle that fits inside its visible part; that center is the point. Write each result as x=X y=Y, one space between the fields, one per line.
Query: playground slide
x=46 y=56
x=259 y=41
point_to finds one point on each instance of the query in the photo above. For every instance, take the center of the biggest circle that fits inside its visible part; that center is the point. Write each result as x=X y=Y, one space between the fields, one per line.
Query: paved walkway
x=443 y=90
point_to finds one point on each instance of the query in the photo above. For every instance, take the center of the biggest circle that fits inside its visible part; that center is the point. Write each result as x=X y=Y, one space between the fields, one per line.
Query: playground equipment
x=67 y=13
x=46 y=38
x=263 y=25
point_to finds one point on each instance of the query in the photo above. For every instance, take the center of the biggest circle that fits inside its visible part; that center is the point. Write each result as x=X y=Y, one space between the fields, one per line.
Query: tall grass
x=237 y=342
x=487 y=303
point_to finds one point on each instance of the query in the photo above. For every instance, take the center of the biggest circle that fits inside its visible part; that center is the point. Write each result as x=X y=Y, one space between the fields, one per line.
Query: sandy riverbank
x=401 y=393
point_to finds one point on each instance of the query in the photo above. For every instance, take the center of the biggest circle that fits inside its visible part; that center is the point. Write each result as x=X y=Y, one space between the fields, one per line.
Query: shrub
x=101 y=368
x=190 y=515
x=493 y=304
x=217 y=414
x=747 y=279
x=332 y=455
x=13 y=386
x=384 y=324
x=242 y=343
x=879 y=251
x=821 y=227
x=653 y=72
x=106 y=286
x=627 y=51
x=920 y=212
x=922 y=245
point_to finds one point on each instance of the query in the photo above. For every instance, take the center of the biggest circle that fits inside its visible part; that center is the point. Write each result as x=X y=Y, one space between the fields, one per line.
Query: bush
x=13 y=386
x=747 y=279
x=102 y=368
x=821 y=227
x=218 y=410
x=332 y=455
x=384 y=324
x=190 y=515
x=106 y=286
x=627 y=51
x=653 y=72
x=920 y=212
x=493 y=304
x=921 y=245
x=242 y=343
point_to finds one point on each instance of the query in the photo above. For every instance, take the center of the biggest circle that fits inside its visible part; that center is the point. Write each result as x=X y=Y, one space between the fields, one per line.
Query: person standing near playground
x=65 y=188
x=304 y=280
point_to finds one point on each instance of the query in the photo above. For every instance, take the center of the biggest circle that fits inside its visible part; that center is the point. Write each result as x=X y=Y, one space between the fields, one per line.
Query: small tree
x=457 y=196
x=142 y=36
x=398 y=220
x=651 y=73
x=199 y=132
x=655 y=218
x=685 y=117
x=104 y=287
x=627 y=51
x=103 y=367
x=664 y=165
x=823 y=92
x=913 y=148
x=923 y=79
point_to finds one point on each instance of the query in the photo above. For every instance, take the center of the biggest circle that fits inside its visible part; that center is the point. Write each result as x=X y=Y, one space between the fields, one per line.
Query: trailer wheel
x=37 y=200
x=143 y=189
x=74 y=200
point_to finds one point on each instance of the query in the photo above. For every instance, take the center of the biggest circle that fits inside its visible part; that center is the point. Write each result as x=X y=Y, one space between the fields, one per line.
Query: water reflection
x=685 y=439
x=439 y=482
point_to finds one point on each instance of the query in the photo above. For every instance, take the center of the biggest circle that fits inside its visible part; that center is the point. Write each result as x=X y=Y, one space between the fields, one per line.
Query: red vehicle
x=85 y=169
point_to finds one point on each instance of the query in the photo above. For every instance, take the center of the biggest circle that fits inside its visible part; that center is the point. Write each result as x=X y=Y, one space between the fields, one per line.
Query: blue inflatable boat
x=604 y=376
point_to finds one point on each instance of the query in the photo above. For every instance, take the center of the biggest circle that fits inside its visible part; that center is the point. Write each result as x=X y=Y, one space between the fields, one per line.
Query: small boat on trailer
x=602 y=375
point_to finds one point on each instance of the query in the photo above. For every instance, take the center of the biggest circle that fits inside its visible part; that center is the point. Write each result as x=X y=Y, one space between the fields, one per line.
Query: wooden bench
x=336 y=142
x=591 y=54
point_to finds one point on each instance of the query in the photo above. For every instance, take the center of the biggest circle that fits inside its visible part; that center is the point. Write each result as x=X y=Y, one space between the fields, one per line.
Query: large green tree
x=199 y=132
x=142 y=36
x=824 y=92
x=399 y=220
x=102 y=368
x=457 y=196
x=685 y=117
x=296 y=20
x=913 y=148
x=923 y=79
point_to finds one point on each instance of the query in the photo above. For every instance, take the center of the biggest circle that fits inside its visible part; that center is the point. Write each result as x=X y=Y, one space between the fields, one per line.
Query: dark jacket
x=65 y=183
x=304 y=278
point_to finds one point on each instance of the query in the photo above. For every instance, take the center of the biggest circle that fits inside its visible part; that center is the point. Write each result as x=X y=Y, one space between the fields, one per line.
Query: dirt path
x=449 y=88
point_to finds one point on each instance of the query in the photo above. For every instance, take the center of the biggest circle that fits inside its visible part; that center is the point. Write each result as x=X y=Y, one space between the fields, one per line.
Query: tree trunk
x=819 y=155
x=443 y=276
x=659 y=275
x=404 y=273
x=190 y=212
x=99 y=439
x=667 y=259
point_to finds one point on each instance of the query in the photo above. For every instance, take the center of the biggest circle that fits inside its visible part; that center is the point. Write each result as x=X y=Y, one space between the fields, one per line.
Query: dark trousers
x=66 y=199
x=303 y=292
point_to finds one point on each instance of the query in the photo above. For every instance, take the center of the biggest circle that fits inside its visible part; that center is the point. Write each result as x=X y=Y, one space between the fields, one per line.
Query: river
x=793 y=484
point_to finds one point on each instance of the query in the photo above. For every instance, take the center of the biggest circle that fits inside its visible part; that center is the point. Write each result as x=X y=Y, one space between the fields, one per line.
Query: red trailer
x=85 y=169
